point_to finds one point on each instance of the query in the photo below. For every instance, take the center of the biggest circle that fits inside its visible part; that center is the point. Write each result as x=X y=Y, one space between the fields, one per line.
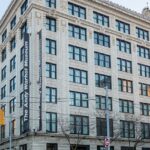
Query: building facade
x=76 y=49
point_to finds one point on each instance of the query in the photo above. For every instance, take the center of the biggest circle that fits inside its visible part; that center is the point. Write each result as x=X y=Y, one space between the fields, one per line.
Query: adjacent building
x=57 y=57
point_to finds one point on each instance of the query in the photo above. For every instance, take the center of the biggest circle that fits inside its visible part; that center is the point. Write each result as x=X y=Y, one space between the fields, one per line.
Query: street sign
x=107 y=142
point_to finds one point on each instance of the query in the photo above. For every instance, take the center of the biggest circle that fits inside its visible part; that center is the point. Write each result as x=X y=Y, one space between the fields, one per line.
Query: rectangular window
x=77 y=32
x=79 y=125
x=103 y=148
x=102 y=128
x=144 y=70
x=12 y=105
x=52 y=146
x=51 y=24
x=124 y=65
x=23 y=29
x=51 y=95
x=123 y=46
x=125 y=85
x=76 y=10
x=23 y=147
x=77 y=53
x=12 y=84
x=51 y=70
x=101 y=19
x=3 y=53
x=50 y=46
x=78 y=99
x=101 y=39
x=21 y=76
x=4 y=35
x=145 y=127
x=142 y=34
x=21 y=99
x=2 y=131
x=12 y=63
x=145 y=109
x=143 y=52
x=102 y=60
x=127 y=148
x=78 y=76
x=101 y=102
x=51 y=3
x=122 y=27
x=126 y=106
x=24 y=7
x=3 y=92
x=13 y=43
x=102 y=81
x=21 y=125
x=13 y=23
x=51 y=122
x=3 y=73
x=127 y=129
x=144 y=89
x=22 y=54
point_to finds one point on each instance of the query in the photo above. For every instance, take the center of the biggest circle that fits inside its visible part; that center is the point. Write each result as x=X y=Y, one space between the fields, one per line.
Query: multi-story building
x=76 y=48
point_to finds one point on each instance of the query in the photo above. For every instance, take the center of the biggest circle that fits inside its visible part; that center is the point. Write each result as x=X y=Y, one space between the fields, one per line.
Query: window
x=50 y=70
x=145 y=109
x=78 y=99
x=23 y=147
x=79 y=125
x=3 y=73
x=3 y=54
x=142 y=34
x=4 y=35
x=126 y=106
x=144 y=89
x=13 y=127
x=77 y=10
x=21 y=76
x=125 y=85
x=51 y=122
x=127 y=129
x=13 y=23
x=102 y=81
x=102 y=128
x=51 y=24
x=51 y=146
x=78 y=76
x=23 y=29
x=50 y=46
x=122 y=27
x=145 y=127
x=3 y=92
x=124 y=46
x=101 y=39
x=12 y=105
x=77 y=53
x=21 y=99
x=143 y=52
x=102 y=60
x=13 y=43
x=77 y=32
x=101 y=102
x=13 y=84
x=144 y=70
x=2 y=131
x=21 y=125
x=22 y=54
x=24 y=7
x=124 y=65
x=13 y=63
x=103 y=148
x=101 y=19
x=127 y=148
x=51 y=3
x=51 y=95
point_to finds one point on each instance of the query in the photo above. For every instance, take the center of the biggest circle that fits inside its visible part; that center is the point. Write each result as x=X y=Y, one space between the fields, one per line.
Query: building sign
x=26 y=83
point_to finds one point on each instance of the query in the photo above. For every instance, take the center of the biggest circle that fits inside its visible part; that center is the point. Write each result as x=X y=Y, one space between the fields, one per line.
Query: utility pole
x=107 y=119
x=10 y=132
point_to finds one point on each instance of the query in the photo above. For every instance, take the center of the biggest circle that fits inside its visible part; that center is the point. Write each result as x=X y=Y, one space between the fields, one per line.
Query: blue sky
x=136 y=5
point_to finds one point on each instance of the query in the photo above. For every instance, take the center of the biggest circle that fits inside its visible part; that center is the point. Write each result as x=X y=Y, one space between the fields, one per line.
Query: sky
x=136 y=5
